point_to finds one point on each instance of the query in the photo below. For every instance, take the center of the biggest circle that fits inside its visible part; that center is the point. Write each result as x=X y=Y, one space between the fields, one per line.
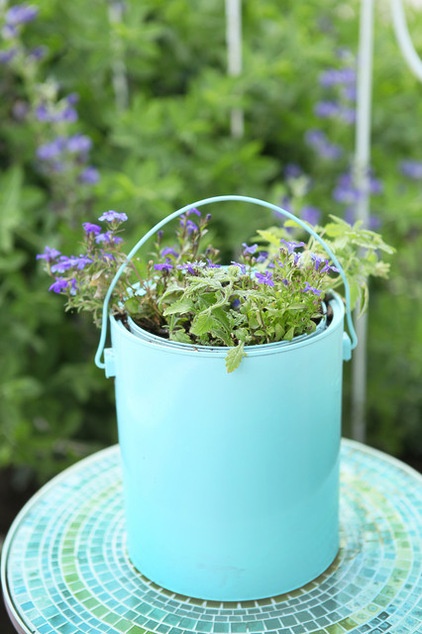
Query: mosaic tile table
x=65 y=568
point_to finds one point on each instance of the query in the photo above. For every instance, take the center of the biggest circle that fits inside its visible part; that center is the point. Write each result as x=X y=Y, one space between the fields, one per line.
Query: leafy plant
x=185 y=295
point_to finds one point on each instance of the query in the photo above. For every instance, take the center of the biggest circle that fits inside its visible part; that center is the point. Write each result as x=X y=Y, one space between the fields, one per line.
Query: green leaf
x=180 y=307
x=203 y=324
x=10 y=207
x=235 y=356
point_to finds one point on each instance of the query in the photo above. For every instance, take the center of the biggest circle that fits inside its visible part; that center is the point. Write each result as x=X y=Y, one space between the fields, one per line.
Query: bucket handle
x=348 y=344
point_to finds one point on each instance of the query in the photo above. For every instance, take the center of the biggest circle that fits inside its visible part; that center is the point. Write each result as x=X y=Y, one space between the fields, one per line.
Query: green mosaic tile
x=65 y=568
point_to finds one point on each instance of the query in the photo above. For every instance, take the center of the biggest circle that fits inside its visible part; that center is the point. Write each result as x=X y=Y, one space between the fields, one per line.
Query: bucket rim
x=174 y=347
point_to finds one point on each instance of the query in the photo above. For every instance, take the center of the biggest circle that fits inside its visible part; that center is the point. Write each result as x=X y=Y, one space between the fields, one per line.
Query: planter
x=230 y=480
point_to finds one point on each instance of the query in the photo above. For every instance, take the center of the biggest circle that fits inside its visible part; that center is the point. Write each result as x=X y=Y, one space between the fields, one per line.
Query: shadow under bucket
x=230 y=481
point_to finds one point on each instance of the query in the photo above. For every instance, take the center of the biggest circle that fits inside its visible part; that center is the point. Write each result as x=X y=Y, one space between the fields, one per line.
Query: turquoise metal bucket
x=230 y=480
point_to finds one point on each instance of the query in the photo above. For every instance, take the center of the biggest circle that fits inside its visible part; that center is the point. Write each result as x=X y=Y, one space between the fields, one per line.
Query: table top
x=65 y=568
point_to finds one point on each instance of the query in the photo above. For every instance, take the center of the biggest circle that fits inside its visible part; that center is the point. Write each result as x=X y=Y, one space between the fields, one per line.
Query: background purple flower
x=59 y=285
x=310 y=214
x=78 y=144
x=89 y=176
x=49 y=254
x=91 y=228
x=111 y=216
x=265 y=278
x=21 y=14
x=411 y=169
x=321 y=144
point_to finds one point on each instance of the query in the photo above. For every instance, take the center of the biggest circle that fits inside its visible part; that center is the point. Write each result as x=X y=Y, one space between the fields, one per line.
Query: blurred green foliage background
x=147 y=84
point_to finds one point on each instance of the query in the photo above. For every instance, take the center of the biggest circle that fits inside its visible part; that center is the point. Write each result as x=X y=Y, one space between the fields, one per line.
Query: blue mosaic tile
x=65 y=568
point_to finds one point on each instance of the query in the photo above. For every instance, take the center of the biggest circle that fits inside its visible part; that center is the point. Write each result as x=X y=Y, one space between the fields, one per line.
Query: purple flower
x=191 y=227
x=249 y=250
x=265 y=278
x=311 y=289
x=345 y=191
x=292 y=245
x=78 y=144
x=42 y=113
x=262 y=256
x=8 y=55
x=193 y=210
x=310 y=214
x=335 y=77
x=242 y=267
x=326 y=109
x=38 y=53
x=91 y=229
x=59 y=285
x=235 y=303
x=169 y=251
x=64 y=263
x=322 y=264
x=213 y=265
x=90 y=176
x=111 y=216
x=320 y=143
x=51 y=150
x=108 y=238
x=164 y=266
x=292 y=171
x=20 y=14
x=68 y=115
x=82 y=261
x=188 y=267
x=411 y=169
x=48 y=255
x=73 y=286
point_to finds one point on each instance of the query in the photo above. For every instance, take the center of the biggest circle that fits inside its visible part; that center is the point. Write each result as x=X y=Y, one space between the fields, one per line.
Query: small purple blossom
x=265 y=278
x=164 y=266
x=249 y=250
x=53 y=149
x=326 y=109
x=335 y=77
x=73 y=286
x=59 y=285
x=239 y=265
x=8 y=55
x=291 y=245
x=91 y=229
x=49 y=254
x=169 y=251
x=310 y=214
x=193 y=210
x=21 y=14
x=322 y=264
x=65 y=263
x=320 y=143
x=187 y=267
x=89 y=176
x=108 y=238
x=311 y=289
x=78 y=144
x=262 y=256
x=37 y=53
x=191 y=227
x=411 y=169
x=292 y=171
x=235 y=303
x=111 y=216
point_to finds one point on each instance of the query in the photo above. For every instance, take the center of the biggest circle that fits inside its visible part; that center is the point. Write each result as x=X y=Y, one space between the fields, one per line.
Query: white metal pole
x=403 y=38
x=361 y=175
x=234 y=56
x=119 y=74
